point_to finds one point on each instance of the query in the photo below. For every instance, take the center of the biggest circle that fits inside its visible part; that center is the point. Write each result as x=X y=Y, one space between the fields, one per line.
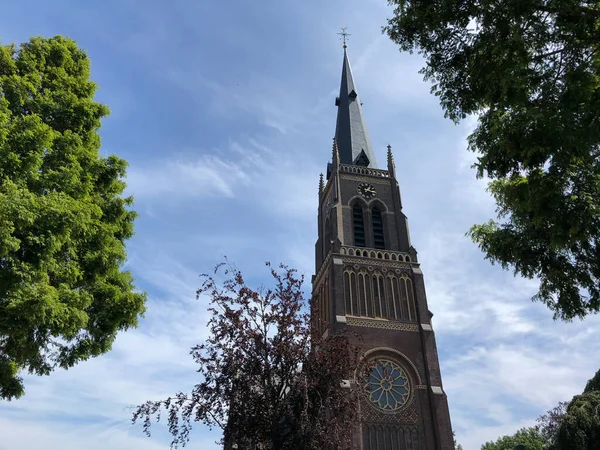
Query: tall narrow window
x=377 y=219
x=351 y=293
x=359 y=226
x=379 y=301
x=364 y=294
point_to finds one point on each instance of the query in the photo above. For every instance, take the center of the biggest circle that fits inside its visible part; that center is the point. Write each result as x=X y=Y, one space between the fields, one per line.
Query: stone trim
x=377 y=262
x=381 y=324
x=360 y=170
x=370 y=178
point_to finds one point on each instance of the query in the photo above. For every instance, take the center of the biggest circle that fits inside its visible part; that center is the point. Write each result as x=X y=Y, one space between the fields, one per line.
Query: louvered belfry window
x=359 y=226
x=377 y=219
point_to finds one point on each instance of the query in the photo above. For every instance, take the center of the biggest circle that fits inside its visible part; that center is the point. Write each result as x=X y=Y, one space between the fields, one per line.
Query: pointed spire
x=321 y=184
x=390 y=161
x=350 y=131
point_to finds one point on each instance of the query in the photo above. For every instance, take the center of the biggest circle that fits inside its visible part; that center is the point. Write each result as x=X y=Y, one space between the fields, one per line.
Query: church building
x=368 y=279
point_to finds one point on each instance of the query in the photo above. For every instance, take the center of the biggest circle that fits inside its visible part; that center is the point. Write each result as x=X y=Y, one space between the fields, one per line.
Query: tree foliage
x=580 y=426
x=63 y=221
x=530 y=438
x=549 y=423
x=593 y=384
x=265 y=378
x=530 y=71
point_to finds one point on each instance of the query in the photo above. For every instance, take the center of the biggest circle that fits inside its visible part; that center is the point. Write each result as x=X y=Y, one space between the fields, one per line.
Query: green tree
x=530 y=438
x=593 y=384
x=530 y=72
x=580 y=426
x=63 y=221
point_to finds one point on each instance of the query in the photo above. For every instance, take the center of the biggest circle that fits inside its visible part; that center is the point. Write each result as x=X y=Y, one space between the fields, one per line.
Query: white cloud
x=266 y=99
x=204 y=177
x=491 y=386
x=41 y=435
x=250 y=172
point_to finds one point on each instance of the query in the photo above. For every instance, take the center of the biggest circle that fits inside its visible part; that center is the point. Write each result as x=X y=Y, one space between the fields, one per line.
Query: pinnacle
x=321 y=184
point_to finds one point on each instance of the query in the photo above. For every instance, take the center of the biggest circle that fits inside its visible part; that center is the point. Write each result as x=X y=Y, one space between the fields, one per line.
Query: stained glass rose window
x=388 y=385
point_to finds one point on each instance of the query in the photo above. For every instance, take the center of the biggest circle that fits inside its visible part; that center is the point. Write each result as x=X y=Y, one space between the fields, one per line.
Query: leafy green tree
x=580 y=426
x=63 y=221
x=530 y=71
x=530 y=438
x=593 y=384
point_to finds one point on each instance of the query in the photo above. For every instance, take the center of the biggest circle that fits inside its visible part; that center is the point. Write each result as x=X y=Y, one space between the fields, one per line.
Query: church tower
x=368 y=279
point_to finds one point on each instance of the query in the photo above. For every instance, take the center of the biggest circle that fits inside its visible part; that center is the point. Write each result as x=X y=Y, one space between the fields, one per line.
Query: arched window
x=350 y=293
x=379 y=301
x=320 y=313
x=365 y=302
x=359 y=226
x=377 y=220
x=401 y=298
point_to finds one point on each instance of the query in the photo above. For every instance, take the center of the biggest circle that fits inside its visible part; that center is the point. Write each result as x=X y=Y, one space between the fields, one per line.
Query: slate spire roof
x=351 y=131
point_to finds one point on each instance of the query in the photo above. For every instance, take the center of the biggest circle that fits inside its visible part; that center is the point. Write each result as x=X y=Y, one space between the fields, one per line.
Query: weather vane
x=344 y=36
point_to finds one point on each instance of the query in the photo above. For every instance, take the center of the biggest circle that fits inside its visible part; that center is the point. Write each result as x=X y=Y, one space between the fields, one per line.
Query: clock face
x=366 y=190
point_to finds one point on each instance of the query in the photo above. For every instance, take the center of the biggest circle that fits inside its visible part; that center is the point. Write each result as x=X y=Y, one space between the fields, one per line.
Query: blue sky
x=225 y=112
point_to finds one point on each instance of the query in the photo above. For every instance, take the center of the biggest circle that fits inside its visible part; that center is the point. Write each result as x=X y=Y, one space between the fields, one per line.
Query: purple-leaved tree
x=266 y=377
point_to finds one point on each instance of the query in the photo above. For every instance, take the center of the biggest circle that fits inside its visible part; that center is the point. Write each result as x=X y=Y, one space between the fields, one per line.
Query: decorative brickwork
x=407 y=415
x=364 y=171
x=381 y=324
x=372 y=253
x=377 y=262
x=372 y=179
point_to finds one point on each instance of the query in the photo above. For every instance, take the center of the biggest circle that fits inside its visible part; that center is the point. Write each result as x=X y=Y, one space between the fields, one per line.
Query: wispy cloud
x=250 y=172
